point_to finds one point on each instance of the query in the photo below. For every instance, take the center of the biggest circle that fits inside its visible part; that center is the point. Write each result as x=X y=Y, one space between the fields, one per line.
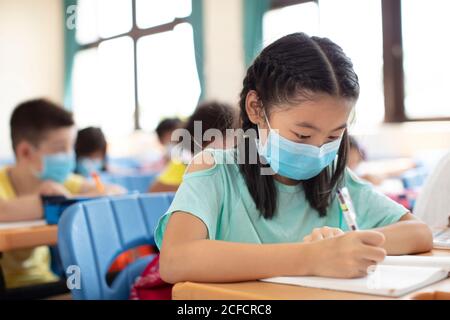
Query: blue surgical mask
x=294 y=160
x=57 y=167
x=87 y=166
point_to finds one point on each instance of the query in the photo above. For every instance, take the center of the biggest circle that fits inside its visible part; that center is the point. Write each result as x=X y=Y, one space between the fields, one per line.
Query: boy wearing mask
x=43 y=136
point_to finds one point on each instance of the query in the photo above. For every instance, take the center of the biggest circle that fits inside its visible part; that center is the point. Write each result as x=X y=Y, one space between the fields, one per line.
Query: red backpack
x=150 y=286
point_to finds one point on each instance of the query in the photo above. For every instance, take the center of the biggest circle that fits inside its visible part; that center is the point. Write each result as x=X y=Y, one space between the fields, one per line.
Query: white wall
x=31 y=56
x=224 y=53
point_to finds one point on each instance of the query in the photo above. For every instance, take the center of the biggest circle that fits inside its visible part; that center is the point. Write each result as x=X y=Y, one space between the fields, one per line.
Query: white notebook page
x=387 y=280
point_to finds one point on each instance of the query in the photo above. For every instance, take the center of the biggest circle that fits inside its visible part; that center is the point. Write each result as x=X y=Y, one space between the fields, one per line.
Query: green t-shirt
x=220 y=198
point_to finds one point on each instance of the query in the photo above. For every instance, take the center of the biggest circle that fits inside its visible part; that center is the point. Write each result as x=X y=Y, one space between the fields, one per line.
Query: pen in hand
x=98 y=183
x=347 y=208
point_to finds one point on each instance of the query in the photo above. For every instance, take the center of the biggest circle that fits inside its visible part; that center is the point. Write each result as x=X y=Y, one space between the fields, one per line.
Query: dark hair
x=167 y=126
x=31 y=120
x=297 y=66
x=212 y=115
x=90 y=140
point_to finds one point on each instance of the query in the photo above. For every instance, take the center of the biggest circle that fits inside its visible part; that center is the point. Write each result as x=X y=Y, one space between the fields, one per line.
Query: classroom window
x=109 y=12
x=87 y=22
x=104 y=83
x=167 y=80
x=425 y=26
x=400 y=80
x=337 y=20
x=286 y=20
x=136 y=64
x=151 y=13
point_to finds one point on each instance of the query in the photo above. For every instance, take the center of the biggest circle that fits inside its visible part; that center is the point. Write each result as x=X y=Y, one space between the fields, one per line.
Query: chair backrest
x=133 y=182
x=124 y=162
x=414 y=178
x=92 y=234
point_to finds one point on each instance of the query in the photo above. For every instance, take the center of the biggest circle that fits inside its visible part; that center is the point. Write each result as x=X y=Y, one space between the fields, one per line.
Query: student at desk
x=90 y=152
x=164 y=131
x=211 y=115
x=43 y=136
x=234 y=220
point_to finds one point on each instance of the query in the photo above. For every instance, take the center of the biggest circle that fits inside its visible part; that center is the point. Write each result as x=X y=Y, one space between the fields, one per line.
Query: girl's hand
x=347 y=256
x=323 y=233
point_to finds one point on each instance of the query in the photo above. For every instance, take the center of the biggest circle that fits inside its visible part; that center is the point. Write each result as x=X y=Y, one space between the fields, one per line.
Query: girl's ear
x=253 y=108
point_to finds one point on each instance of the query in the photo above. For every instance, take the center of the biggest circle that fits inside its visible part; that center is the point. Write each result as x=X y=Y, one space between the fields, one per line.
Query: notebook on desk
x=395 y=277
x=22 y=224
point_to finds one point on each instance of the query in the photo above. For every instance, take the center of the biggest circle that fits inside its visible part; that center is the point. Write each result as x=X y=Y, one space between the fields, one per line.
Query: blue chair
x=124 y=162
x=91 y=235
x=414 y=178
x=135 y=182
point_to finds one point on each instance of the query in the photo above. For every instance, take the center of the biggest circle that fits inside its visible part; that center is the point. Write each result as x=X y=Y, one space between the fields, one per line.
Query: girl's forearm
x=219 y=261
x=407 y=237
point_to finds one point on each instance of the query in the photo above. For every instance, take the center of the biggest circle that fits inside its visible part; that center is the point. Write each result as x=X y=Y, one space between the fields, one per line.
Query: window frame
x=393 y=72
x=135 y=34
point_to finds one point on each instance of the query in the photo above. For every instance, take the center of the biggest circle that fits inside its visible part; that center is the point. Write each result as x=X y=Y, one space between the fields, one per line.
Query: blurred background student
x=42 y=136
x=375 y=172
x=165 y=129
x=90 y=150
x=211 y=115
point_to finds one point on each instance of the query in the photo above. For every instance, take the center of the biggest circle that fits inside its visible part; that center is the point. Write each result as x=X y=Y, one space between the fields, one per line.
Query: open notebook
x=22 y=224
x=395 y=277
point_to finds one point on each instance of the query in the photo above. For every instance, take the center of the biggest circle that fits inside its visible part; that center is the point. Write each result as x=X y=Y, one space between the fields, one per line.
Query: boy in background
x=43 y=137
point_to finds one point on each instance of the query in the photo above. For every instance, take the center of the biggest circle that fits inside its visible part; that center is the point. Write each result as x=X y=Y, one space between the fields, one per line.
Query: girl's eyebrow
x=311 y=126
x=344 y=126
x=307 y=125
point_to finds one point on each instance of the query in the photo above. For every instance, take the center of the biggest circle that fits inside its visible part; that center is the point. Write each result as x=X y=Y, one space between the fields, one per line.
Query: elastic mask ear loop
x=198 y=145
x=259 y=144
x=268 y=125
x=267 y=120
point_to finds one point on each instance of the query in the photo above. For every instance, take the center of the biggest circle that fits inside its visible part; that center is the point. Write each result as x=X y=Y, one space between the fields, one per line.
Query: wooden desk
x=256 y=290
x=25 y=237
x=22 y=238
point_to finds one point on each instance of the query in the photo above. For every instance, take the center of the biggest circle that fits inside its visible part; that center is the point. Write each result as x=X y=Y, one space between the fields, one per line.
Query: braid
x=261 y=187
x=290 y=71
